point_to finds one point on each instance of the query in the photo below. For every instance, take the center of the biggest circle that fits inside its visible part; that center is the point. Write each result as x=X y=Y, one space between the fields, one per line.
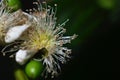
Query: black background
x=97 y=58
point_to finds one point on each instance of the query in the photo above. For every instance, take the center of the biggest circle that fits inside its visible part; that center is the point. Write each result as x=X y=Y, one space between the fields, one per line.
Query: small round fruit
x=34 y=69
x=14 y=4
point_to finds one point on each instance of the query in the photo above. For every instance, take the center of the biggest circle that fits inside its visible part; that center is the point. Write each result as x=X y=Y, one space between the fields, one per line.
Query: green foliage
x=107 y=4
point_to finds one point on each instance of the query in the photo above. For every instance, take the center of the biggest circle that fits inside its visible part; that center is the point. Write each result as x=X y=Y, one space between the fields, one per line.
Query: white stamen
x=28 y=15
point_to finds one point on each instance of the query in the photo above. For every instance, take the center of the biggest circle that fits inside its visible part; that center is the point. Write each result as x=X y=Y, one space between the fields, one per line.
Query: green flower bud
x=34 y=69
x=14 y=4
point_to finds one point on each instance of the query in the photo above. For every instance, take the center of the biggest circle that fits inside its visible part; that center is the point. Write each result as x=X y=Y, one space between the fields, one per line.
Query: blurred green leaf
x=106 y=4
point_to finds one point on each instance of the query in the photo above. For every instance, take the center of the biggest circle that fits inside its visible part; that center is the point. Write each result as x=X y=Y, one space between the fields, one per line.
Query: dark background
x=95 y=50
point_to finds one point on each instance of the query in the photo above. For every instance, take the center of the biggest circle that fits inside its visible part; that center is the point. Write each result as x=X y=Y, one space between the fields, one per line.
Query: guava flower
x=44 y=37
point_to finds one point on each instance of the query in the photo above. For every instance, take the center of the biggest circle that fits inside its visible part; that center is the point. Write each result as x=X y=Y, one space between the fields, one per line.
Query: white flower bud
x=15 y=32
x=22 y=56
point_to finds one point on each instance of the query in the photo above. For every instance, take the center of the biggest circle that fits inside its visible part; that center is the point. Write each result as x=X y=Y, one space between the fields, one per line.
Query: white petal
x=14 y=33
x=22 y=56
